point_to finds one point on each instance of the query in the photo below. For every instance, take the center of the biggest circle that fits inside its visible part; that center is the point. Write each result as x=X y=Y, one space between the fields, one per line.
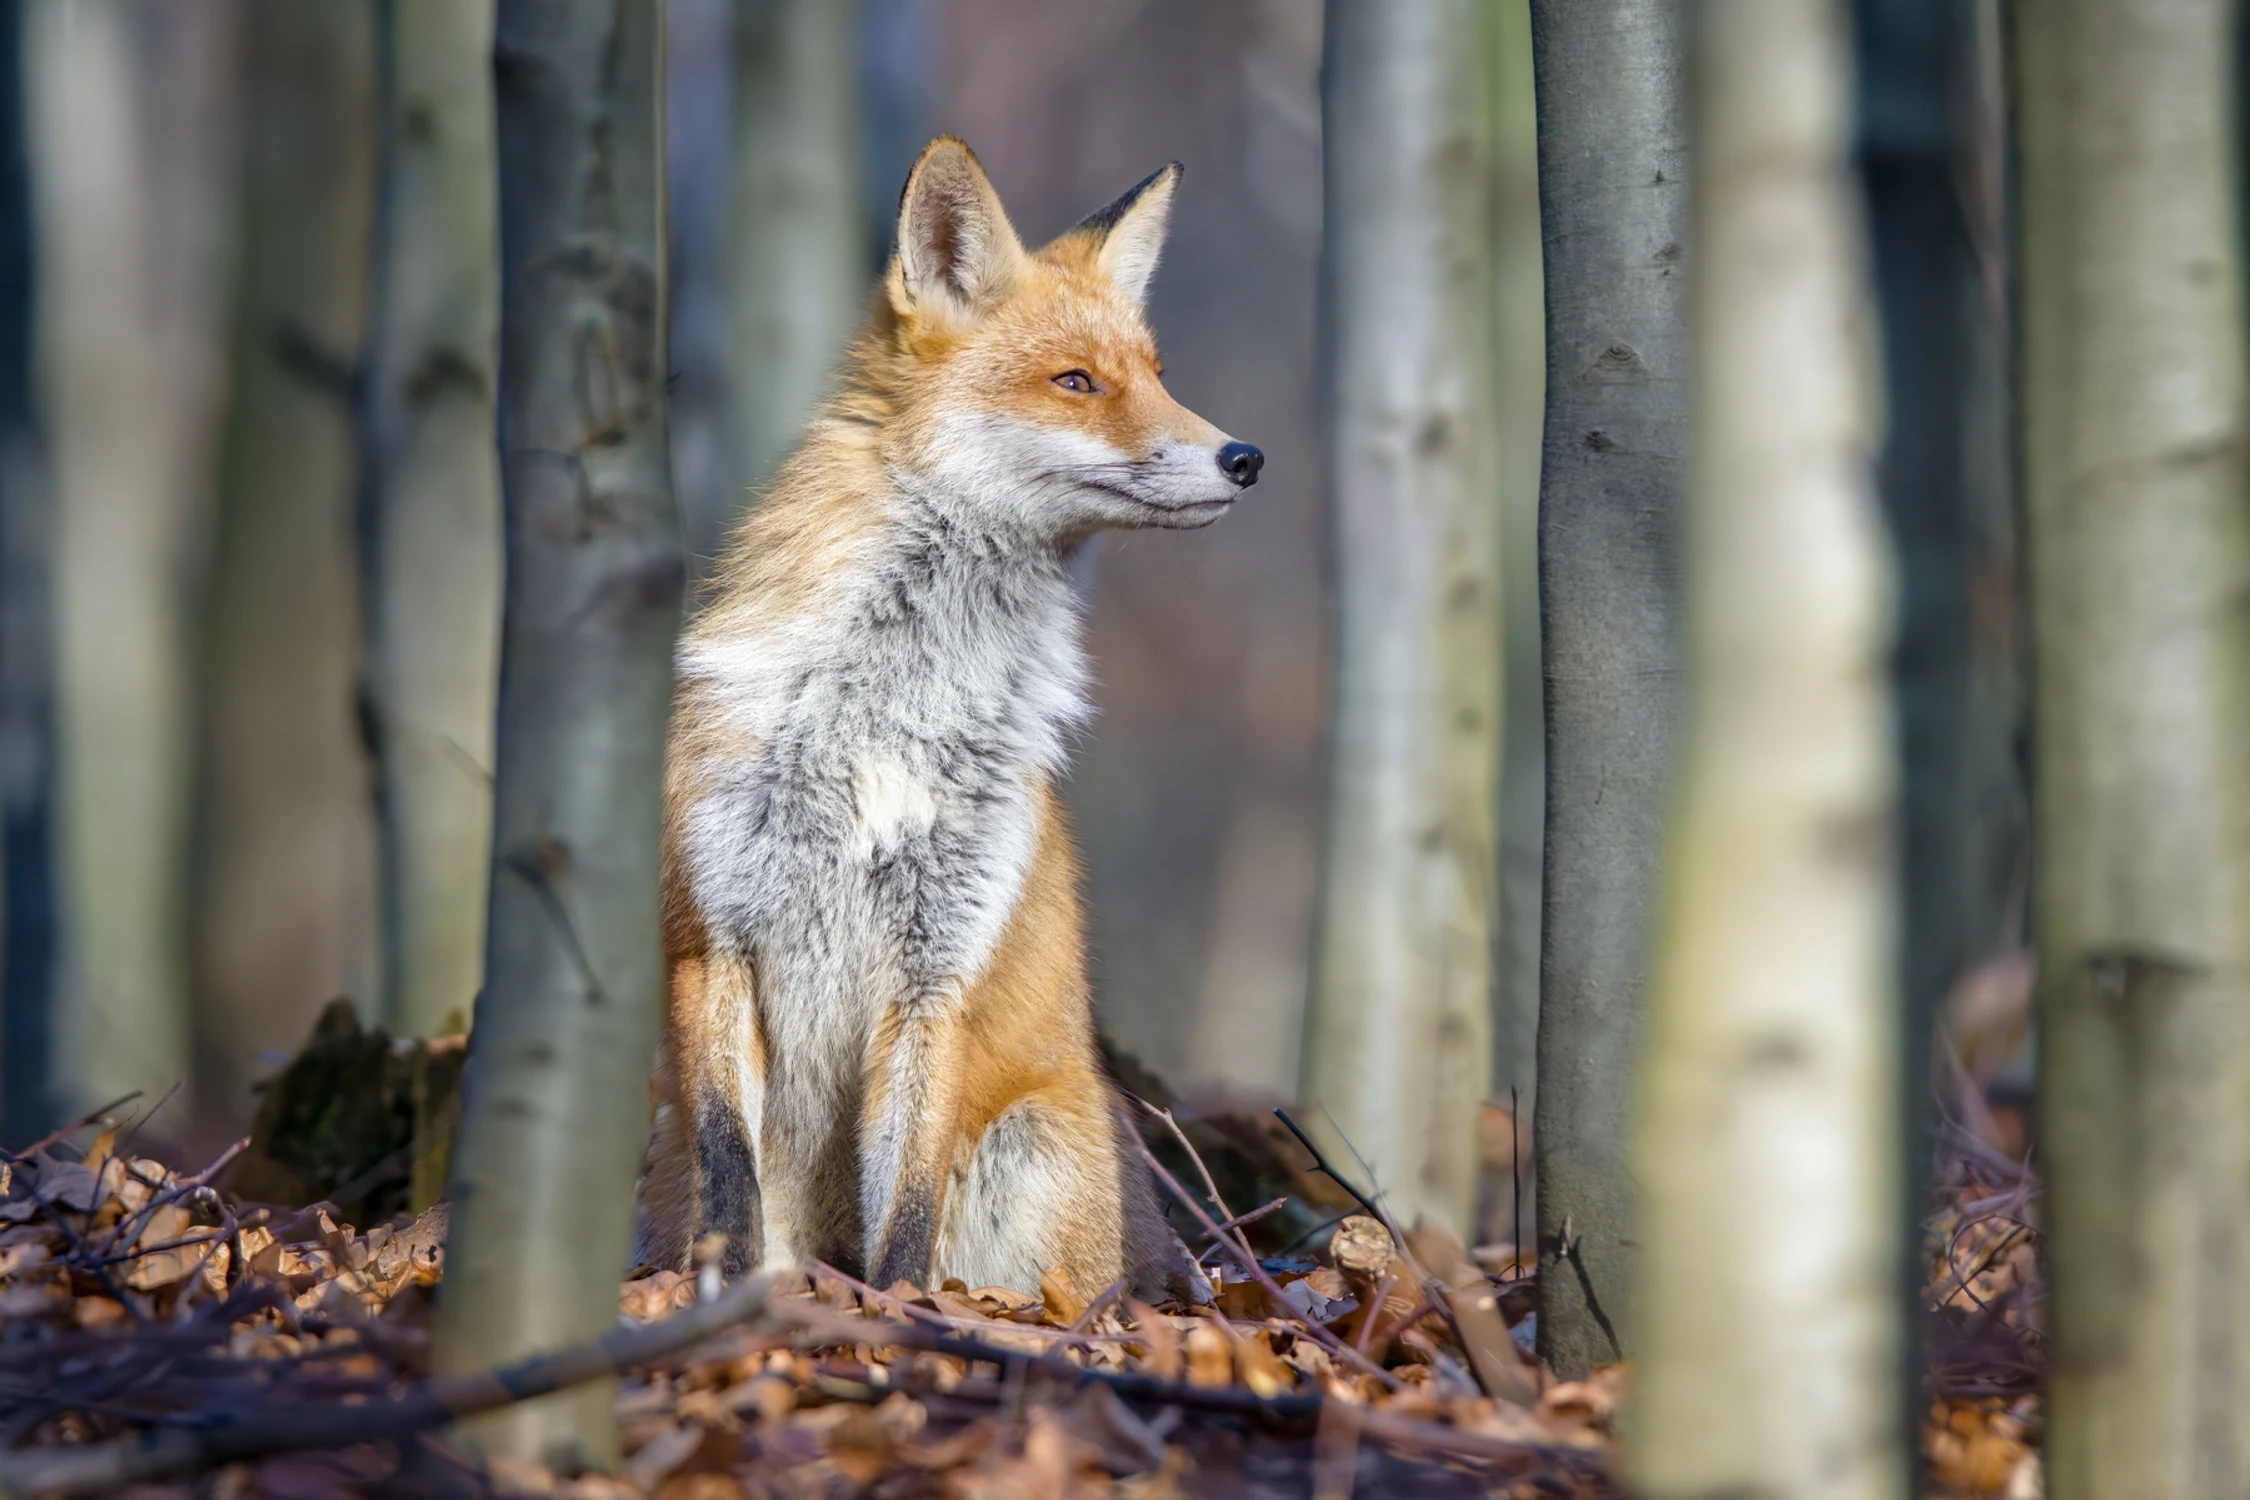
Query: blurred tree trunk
x=798 y=268
x=30 y=915
x=132 y=130
x=1398 y=1038
x=1522 y=375
x=430 y=565
x=2139 y=548
x=1613 y=198
x=1768 y=1338
x=283 y=884
x=555 y=1115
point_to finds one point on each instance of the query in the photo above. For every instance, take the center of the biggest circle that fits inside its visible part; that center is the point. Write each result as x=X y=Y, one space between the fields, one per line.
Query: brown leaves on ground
x=134 y=1300
x=1981 y=1429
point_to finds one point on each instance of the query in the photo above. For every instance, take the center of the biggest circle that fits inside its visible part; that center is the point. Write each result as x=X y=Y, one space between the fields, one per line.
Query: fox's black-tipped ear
x=957 y=253
x=1130 y=232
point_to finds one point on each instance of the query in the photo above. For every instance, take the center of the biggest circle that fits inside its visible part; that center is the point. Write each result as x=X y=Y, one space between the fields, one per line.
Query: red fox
x=881 y=1050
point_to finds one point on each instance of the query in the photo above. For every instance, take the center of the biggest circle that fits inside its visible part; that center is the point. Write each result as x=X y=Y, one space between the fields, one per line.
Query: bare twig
x=1195 y=1156
x=909 y=1311
x=1401 y=1431
x=1249 y=1263
x=1320 y=1165
x=102 y=1469
x=184 y=1187
x=91 y=1117
x=1251 y=1217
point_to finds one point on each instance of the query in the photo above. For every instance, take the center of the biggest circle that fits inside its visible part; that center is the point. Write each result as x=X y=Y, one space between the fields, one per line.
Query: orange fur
x=988 y=1090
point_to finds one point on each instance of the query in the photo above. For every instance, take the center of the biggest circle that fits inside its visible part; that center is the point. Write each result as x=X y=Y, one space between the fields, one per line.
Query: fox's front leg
x=906 y=1136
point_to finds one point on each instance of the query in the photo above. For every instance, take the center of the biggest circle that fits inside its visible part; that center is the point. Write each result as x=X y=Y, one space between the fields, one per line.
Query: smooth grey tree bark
x=1766 y=1141
x=1399 y=1025
x=2133 y=437
x=554 y=1118
x=430 y=533
x=798 y=272
x=1613 y=200
x=134 y=111
x=282 y=882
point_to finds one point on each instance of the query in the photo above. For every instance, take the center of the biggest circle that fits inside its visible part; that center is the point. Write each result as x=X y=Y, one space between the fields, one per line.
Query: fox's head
x=1027 y=389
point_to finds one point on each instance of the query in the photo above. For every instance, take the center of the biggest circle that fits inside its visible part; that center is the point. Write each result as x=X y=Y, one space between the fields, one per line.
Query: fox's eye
x=1076 y=380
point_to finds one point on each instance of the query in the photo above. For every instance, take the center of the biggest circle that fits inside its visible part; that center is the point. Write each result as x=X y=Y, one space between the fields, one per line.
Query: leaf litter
x=142 y=1306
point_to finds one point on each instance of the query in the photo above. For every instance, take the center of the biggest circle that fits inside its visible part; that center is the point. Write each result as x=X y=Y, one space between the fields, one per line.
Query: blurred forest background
x=1611 y=712
x=214 y=790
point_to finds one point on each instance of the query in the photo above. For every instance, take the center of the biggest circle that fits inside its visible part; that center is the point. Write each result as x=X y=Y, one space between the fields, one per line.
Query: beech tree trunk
x=1613 y=199
x=555 y=1114
x=131 y=130
x=1766 y=1140
x=2133 y=440
x=1398 y=1034
x=430 y=565
x=798 y=269
x=283 y=878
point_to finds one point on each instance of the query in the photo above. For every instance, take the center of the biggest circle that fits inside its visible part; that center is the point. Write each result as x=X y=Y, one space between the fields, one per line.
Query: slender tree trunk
x=1766 y=1139
x=283 y=884
x=1398 y=1038
x=2139 y=541
x=555 y=1116
x=1613 y=168
x=1522 y=375
x=798 y=268
x=30 y=916
x=131 y=131
x=431 y=534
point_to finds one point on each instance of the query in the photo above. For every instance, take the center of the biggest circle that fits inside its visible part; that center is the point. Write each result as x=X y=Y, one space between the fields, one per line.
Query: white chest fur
x=869 y=849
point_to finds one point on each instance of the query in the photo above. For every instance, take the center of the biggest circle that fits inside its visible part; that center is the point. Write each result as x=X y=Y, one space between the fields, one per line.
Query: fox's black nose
x=1241 y=463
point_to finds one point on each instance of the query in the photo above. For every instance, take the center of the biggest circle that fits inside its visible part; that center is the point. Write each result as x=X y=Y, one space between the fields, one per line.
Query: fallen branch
x=1154 y=1391
x=101 y=1469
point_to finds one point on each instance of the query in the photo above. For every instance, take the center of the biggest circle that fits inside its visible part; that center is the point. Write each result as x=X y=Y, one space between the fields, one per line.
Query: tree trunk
x=1398 y=1039
x=1765 y=1142
x=131 y=130
x=1522 y=376
x=431 y=534
x=555 y=1115
x=2139 y=549
x=1613 y=198
x=283 y=884
x=29 y=914
x=798 y=269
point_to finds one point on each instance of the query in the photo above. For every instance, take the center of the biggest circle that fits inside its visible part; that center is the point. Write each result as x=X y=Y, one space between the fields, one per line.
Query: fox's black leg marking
x=909 y=1241
x=729 y=1177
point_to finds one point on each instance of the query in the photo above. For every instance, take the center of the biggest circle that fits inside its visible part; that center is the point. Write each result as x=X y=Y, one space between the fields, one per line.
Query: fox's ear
x=1129 y=234
x=957 y=253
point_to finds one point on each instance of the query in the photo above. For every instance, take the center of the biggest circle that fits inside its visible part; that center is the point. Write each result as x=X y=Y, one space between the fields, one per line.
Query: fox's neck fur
x=904 y=689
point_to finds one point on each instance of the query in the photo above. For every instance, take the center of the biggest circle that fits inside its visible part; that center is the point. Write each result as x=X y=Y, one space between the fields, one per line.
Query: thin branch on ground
x=1249 y=1263
x=102 y=1469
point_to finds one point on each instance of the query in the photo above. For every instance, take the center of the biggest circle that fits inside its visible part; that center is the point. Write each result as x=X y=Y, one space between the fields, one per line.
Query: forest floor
x=163 y=1336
